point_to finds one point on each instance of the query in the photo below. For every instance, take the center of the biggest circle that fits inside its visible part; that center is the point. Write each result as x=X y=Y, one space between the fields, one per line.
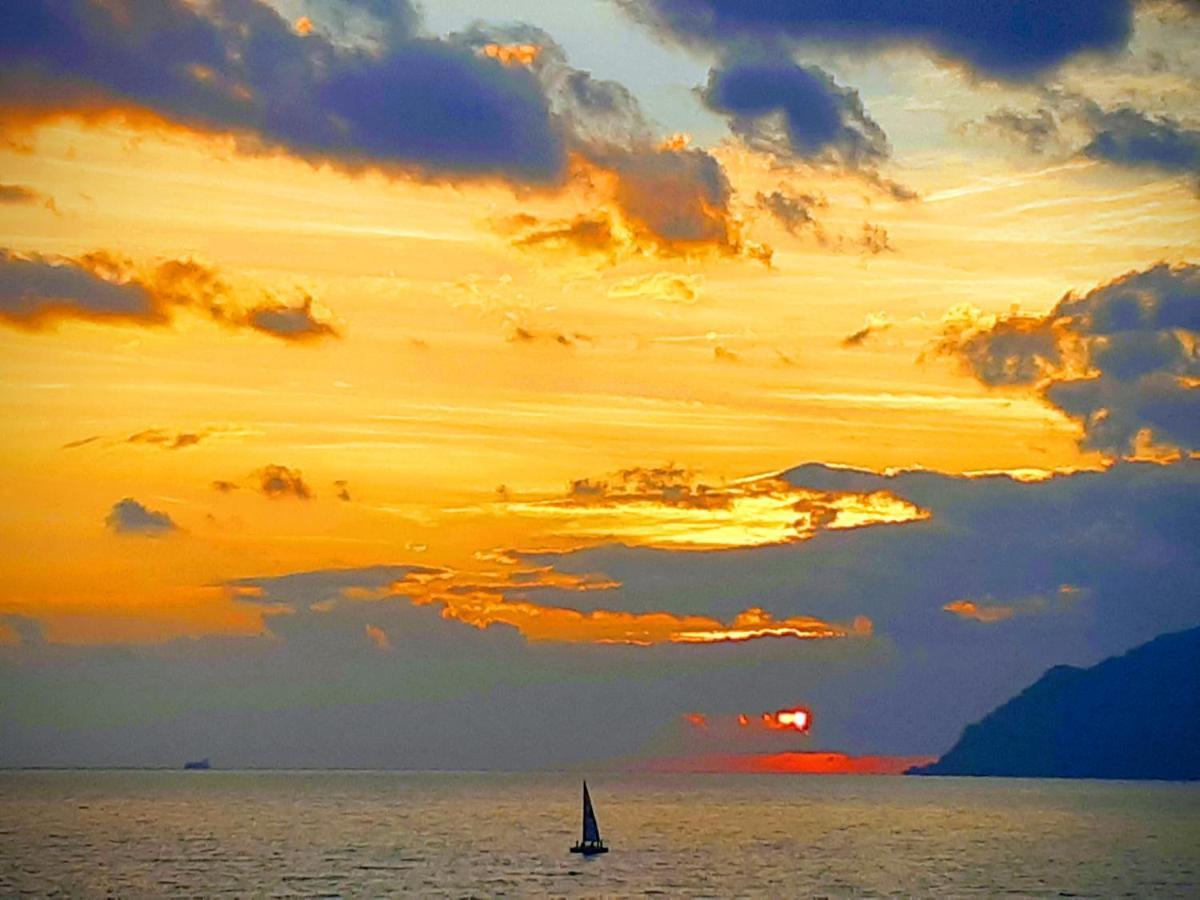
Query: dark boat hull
x=588 y=850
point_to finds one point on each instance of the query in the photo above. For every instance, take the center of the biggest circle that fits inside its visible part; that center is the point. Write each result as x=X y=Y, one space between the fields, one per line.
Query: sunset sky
x=410 y=386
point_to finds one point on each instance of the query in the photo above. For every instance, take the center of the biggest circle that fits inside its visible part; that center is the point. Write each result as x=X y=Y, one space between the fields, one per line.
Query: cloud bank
x=453 y=692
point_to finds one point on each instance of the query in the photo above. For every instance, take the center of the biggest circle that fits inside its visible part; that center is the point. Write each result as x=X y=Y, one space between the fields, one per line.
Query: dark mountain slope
x=1131 y=716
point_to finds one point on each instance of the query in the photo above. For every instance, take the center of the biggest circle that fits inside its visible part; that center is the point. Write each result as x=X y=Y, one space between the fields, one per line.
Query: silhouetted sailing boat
x=590 y=843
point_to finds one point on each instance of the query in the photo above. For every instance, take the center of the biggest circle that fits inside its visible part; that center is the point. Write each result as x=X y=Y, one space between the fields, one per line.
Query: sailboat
x=590 y=844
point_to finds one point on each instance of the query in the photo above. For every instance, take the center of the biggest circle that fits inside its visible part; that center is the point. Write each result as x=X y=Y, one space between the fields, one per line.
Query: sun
x=797 y=718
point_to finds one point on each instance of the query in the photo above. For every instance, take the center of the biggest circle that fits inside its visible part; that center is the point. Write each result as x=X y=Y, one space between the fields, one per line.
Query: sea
x=378 y=834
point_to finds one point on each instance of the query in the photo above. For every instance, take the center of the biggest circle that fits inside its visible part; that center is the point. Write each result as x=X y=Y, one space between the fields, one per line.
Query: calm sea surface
x=285 y=834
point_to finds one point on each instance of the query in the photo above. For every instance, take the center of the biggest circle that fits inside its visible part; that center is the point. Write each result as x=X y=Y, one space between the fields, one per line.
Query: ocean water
x=374 y=834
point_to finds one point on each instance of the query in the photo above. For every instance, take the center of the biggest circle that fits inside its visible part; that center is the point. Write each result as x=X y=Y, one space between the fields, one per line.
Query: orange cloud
x=378 y=637
x=562 y=624
x=664 y=202
x=757 y=623
x=981 y=613
x=513 y=54
x=1034 y=604
x=484 y=600
x=668 y=506
x=596 y=233
x=668 y=287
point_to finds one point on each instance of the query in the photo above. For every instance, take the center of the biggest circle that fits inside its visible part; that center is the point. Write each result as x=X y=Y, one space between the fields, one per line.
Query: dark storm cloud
x=1121 y=359
x=37 y=292
x=1013 y=40
x=794 y=111
x=128 y=516
x=236 y=67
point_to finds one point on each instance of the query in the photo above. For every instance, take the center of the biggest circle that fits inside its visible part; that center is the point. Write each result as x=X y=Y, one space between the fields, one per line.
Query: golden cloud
x=485 y=599
x=670 y=507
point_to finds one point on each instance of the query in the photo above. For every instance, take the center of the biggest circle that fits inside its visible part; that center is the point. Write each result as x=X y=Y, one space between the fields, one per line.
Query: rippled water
x=137 y=834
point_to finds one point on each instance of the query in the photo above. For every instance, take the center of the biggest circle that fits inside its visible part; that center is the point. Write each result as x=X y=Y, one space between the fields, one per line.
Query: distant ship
x=198 y=764
x=590 y=844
